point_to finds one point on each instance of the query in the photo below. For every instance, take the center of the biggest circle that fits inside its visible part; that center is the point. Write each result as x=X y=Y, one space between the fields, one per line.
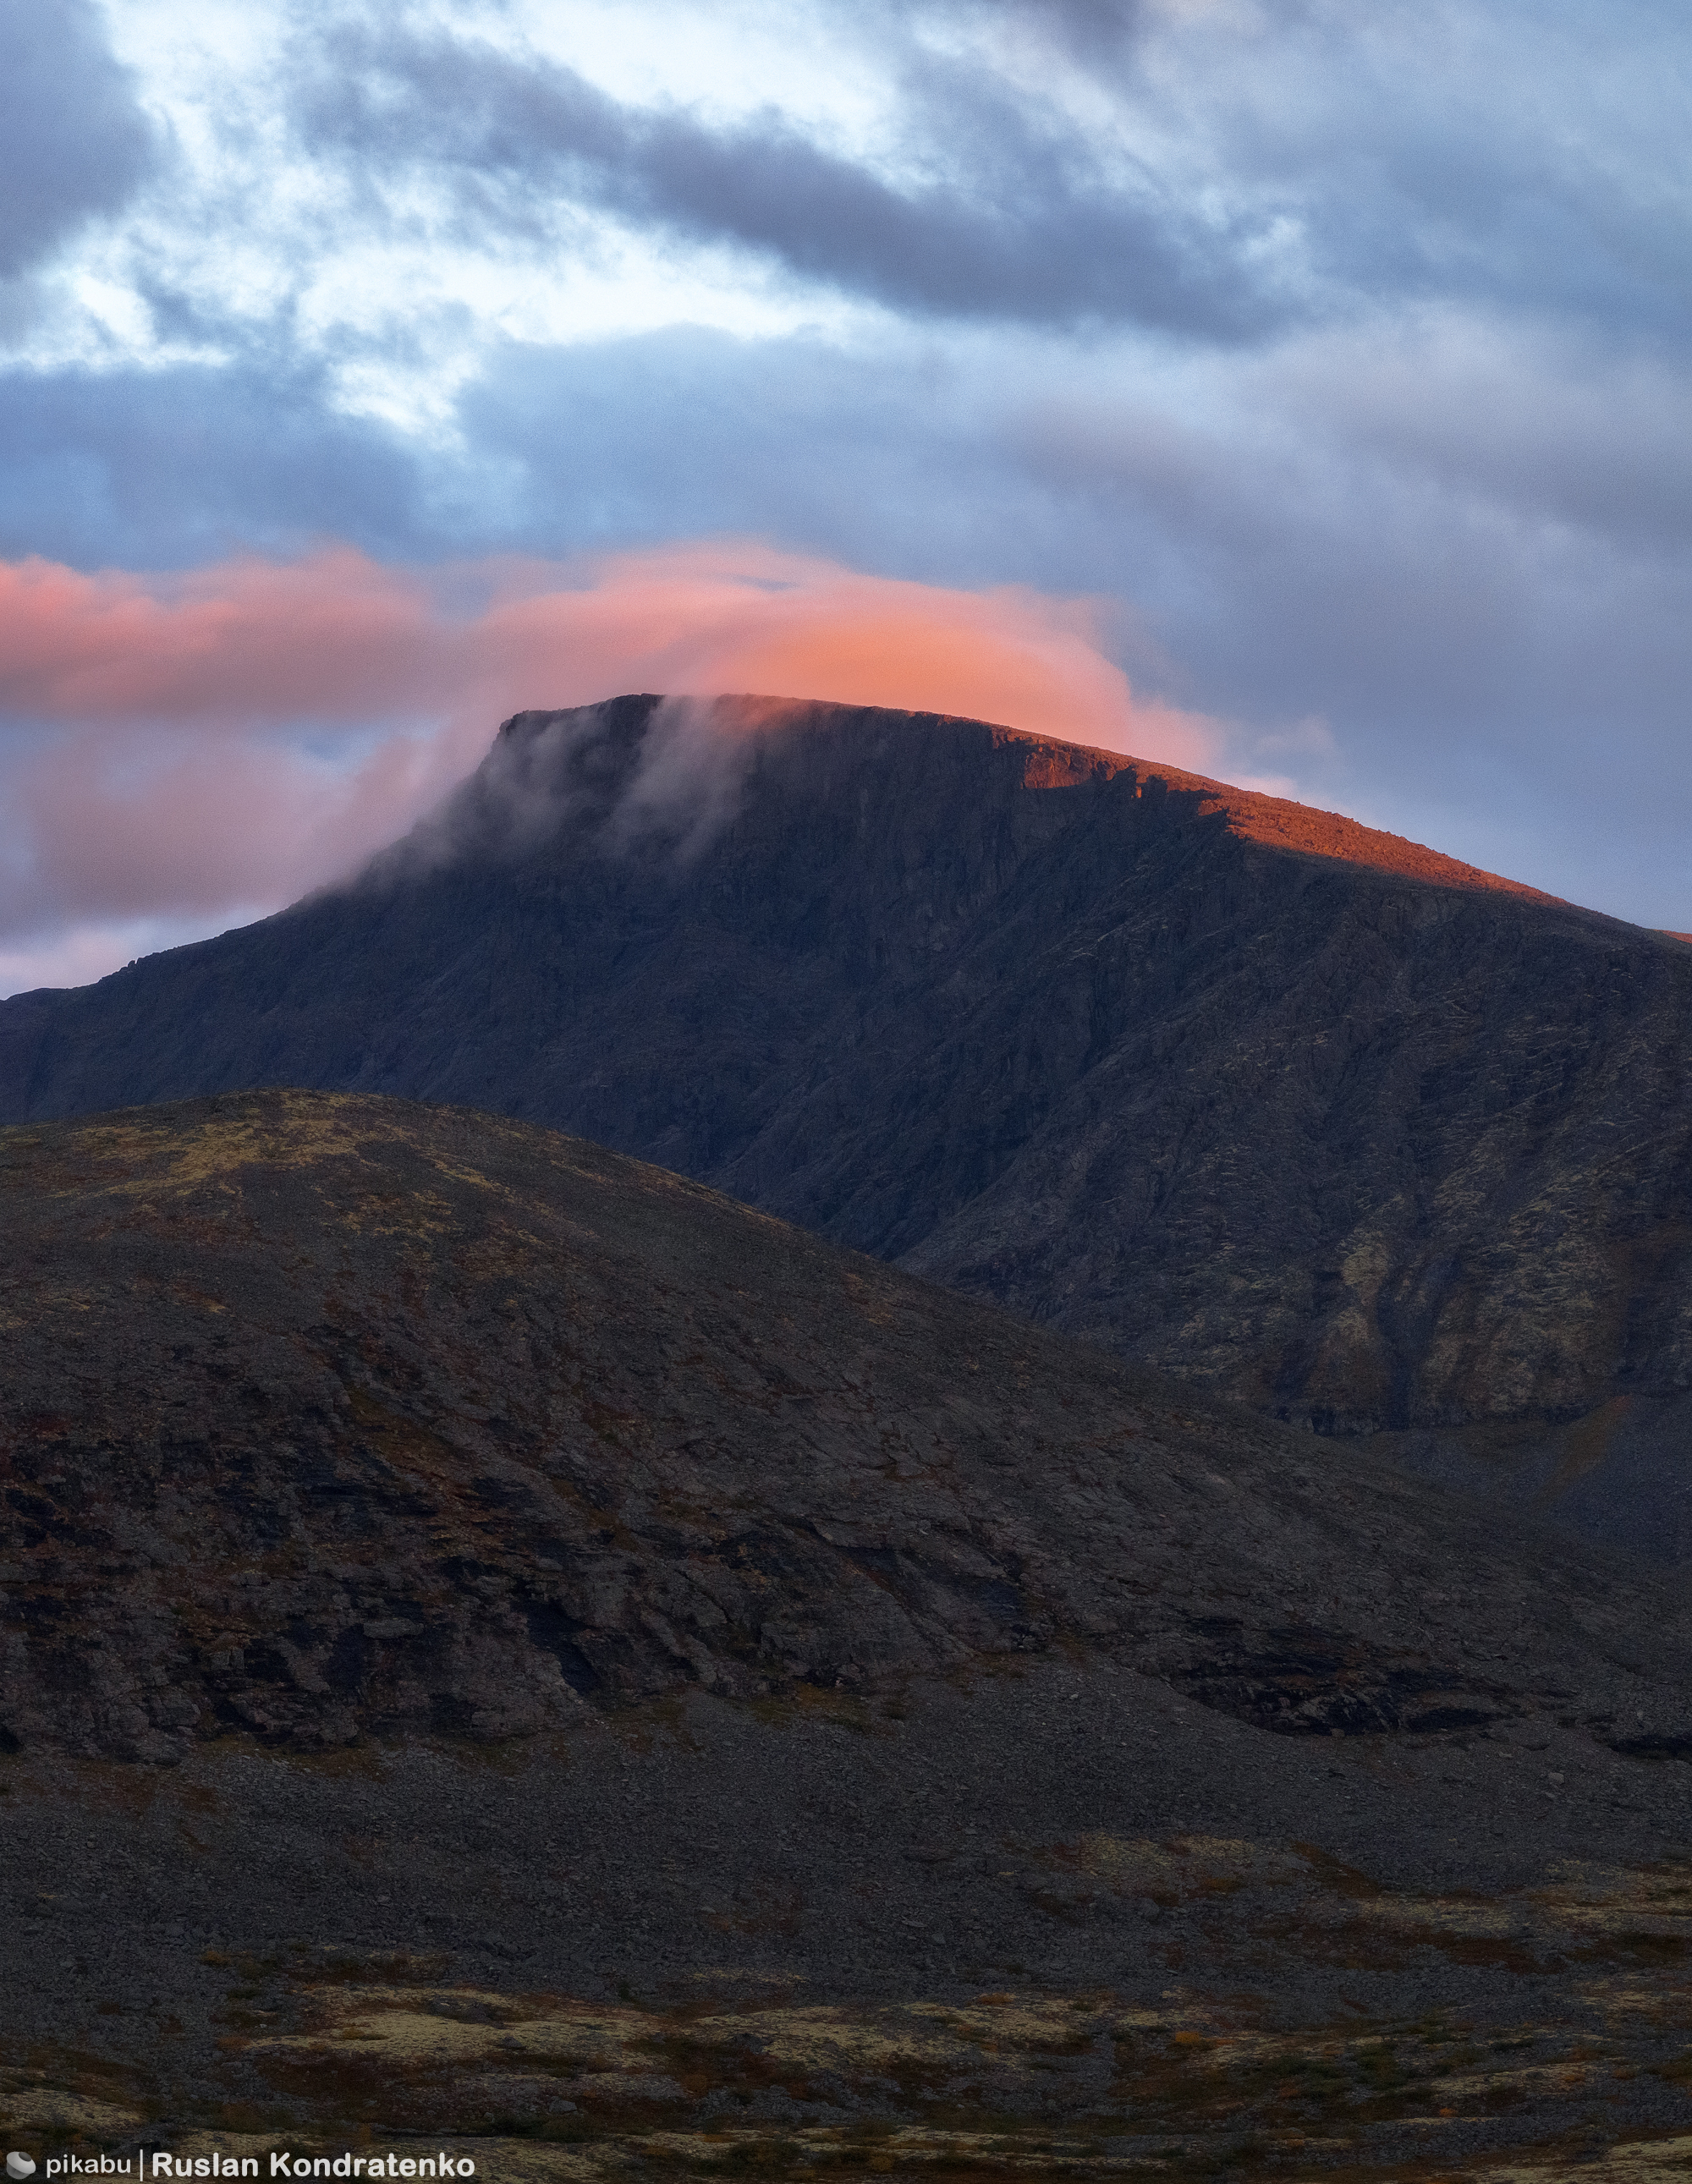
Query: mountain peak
x=1309 y=1115
x=626 y=723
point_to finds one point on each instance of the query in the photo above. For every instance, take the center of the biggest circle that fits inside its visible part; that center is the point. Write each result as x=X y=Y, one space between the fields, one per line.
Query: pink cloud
x=175 y=746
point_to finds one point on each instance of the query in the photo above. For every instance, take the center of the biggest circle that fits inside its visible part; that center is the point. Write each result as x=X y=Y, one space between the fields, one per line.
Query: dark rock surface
x=324 y=1417
x=1315 y=1119
x=501 y=1641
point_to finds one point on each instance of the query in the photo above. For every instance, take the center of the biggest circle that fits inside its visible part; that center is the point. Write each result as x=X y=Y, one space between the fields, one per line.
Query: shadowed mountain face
x=1312 y=1118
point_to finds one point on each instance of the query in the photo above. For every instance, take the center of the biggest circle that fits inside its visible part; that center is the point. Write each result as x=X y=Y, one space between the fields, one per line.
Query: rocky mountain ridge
x=1316 y=1120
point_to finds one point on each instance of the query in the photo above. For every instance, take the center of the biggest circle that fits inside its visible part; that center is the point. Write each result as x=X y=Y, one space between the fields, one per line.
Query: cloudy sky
x=1297 y=390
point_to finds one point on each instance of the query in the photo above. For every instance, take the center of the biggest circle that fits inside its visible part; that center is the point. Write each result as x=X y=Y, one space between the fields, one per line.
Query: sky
x=1294 y=390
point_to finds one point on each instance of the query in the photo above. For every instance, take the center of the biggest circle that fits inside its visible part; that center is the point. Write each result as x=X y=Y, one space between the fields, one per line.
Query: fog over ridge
x=669 y=773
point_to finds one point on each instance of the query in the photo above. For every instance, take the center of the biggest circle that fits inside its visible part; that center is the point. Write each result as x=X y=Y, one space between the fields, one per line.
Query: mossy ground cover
x=329 y=2048
x=337 y=2045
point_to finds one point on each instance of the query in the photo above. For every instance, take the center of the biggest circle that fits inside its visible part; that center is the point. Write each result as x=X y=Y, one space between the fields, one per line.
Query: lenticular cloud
x=175 y=747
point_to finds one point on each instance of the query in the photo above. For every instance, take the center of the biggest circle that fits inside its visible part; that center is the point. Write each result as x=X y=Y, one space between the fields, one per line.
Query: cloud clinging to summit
x=247 y=731
x=1339 y=358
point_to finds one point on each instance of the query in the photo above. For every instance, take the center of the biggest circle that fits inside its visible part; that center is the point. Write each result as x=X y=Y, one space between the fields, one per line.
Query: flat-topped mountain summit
x=1314 y=1118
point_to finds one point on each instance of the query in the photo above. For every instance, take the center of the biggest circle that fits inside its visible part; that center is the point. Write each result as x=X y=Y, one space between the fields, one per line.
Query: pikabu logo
x=20 y=2165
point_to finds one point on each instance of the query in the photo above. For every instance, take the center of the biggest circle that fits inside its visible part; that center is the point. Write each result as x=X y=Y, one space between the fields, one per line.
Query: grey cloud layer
x=1021 y=223
x=1235 y=176
x=73 y=141
x=1292 y=555
x=161 y=469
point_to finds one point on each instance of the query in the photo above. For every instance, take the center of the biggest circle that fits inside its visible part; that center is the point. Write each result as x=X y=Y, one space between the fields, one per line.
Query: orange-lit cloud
x=227 y=739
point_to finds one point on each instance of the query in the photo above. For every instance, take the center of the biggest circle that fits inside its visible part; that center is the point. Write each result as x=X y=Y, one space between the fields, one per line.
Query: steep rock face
x=325 y=1417
x=1308 y=1115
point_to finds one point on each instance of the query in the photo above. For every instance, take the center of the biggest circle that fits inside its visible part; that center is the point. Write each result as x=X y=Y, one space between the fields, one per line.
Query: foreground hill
x=627 y=1687
x=323 y=1417
x=1317 y=1119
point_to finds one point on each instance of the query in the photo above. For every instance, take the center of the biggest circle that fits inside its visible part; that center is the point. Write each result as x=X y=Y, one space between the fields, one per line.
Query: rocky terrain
x=504 y=1645
x=326 y=1416
x=1312 y=1118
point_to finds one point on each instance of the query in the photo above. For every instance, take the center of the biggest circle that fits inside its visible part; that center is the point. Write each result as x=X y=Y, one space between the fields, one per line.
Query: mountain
x=499 y=1641
x=1316 y=1119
